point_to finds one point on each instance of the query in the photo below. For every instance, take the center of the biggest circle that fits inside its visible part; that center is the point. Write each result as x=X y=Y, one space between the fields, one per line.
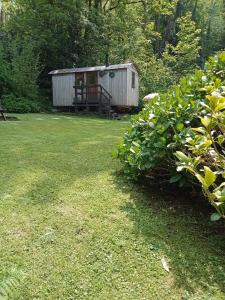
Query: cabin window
x=92 y=78
x=79 y=79
x=133 y=80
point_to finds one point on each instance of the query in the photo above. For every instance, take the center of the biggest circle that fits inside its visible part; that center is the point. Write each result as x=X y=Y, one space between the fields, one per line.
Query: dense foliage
x=20 y=104
x=165 y=39
x=165 y=126
x=204 y=152
x=19 y=72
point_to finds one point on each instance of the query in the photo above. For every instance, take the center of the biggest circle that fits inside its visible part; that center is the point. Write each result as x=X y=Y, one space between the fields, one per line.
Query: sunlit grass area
x=71 y=227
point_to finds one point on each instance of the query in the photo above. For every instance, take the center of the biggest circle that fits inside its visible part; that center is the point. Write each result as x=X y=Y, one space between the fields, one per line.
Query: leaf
x=148 y=165
x=219 y=187
x=206 y=121
x=151 y=124
x=220 y=139
x=215 y=217
x=175 y=178
x=182 y=157
x=206 y=144
x=210 y=176
x=135 y=144
x=133 y=151
x=201 y=179
x=199 y=130
x=223 y=192
x=213 y=100
x=196 y=161
x=165 y=264
x=179 y=126
x=219 y=107
x=204 y=105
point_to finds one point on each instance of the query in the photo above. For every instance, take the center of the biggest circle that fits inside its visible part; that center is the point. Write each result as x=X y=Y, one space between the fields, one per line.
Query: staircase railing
x=92 y=96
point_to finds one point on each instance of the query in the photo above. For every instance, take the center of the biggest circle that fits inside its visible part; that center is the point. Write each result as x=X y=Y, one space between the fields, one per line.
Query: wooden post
x=87 y=92
x=101 y=99
x=2 y=113
x=75 y=99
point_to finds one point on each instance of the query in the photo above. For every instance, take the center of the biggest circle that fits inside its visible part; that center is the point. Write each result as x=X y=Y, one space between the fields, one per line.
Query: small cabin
x=114 y=86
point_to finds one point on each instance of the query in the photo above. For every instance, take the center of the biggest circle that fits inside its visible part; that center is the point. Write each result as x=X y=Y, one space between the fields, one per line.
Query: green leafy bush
x=20 y=105
x=19 y=72
x=5 y=85
x=160 y=128
x=204 y=156
x=163 y=125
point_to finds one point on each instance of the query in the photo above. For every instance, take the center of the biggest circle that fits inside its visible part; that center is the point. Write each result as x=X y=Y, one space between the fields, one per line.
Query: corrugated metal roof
x=90 y=69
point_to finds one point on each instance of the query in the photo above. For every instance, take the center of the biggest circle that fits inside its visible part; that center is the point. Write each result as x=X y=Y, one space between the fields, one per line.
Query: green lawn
x=72 y=228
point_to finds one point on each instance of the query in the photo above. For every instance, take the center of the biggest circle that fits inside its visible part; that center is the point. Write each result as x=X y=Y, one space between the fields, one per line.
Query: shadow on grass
x=178 y=228
x=9 y=118
x=89 y=116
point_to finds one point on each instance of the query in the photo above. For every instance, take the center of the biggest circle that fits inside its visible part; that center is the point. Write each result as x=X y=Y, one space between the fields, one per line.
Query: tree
x=182 y=58
x=24 y=69
x=162 y=37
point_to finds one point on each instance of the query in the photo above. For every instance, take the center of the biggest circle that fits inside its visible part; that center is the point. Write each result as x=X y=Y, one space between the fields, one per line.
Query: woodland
x=165 y=39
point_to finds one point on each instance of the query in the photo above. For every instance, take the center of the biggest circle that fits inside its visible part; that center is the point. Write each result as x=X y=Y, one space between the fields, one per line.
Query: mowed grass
x=71 y=227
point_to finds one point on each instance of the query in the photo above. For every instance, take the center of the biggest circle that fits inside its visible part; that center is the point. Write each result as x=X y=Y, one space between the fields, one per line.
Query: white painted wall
x=116 y=86
x=133 y=93
x=63 y=91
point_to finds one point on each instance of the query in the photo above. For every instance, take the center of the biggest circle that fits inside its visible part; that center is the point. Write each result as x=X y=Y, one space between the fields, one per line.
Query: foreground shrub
x=161 y=127
x=204 y=157
x=14 y=104
x=164 y=126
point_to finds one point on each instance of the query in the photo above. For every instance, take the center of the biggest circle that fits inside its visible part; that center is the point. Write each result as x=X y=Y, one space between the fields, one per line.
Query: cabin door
x=92 y=85
x=79 y=82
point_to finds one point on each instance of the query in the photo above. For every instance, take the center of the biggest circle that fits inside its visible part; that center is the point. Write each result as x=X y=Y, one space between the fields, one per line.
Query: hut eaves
x=91 y=69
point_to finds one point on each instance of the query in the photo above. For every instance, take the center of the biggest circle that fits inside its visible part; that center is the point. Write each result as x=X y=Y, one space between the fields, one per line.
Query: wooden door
x=92 y=86
x=79 y=83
